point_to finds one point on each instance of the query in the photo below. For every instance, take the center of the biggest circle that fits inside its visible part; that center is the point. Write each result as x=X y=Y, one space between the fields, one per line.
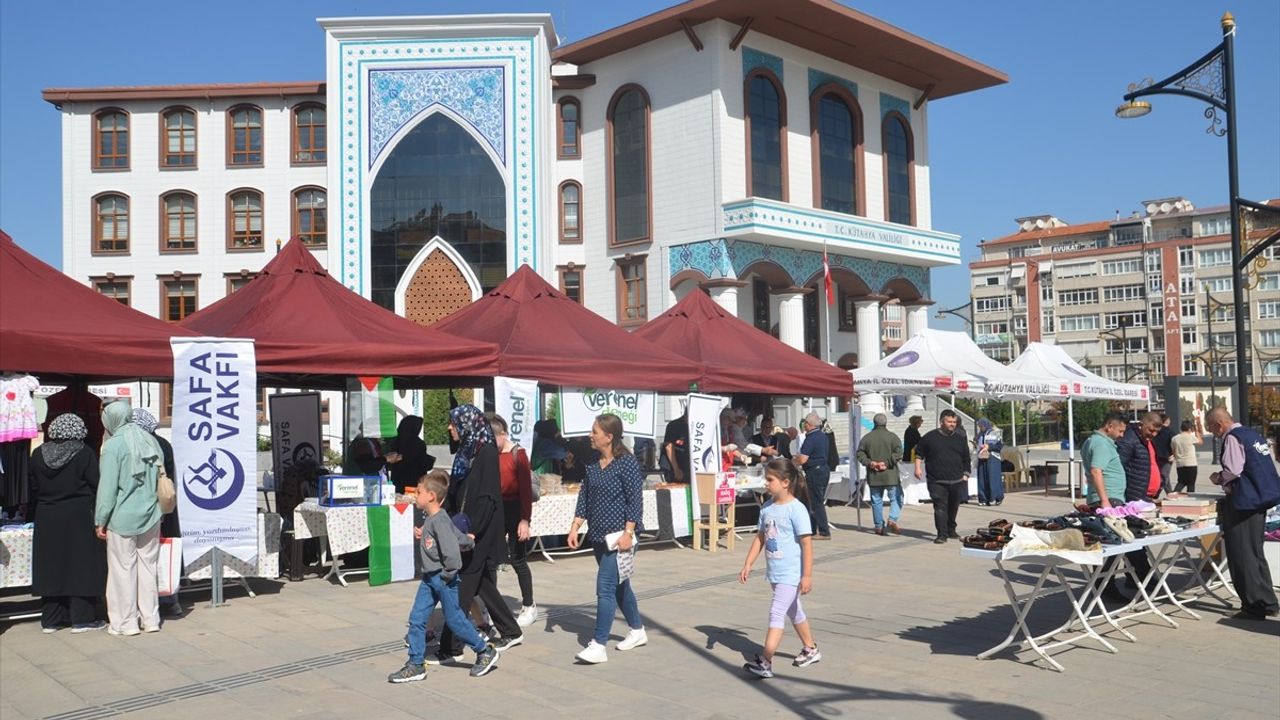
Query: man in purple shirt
x=1252 y=485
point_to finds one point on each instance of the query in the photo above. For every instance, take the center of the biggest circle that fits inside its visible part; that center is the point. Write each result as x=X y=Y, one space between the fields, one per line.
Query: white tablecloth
x=15 y=557
x=266 y=565
x=346 y=527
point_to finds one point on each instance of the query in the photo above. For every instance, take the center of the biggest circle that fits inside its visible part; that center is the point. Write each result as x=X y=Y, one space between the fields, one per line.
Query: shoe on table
x=88 y=627
x=486 y=660
x=528 y=615
x=444 y=657
x=594 y=653
x=759 y=667
x=807 y=657
x=940 y=540
x=506 y=643
x=408 y=673
x=893 y=528
x=127 y=632
x=634 y=639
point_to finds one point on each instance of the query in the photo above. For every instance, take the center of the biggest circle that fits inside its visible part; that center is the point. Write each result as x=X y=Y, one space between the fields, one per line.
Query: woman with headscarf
x=475 y=501
x=128 y=518
x=68 y=564
x=989 y=443
x=169 y=527
x=407 y=454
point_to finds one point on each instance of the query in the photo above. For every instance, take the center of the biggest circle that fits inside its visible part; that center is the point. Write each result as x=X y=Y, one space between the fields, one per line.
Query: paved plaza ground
x=898 y=620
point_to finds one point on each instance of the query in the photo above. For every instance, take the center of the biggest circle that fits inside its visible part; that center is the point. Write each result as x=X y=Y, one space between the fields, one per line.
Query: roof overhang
x=58 y=96
x=821 y=26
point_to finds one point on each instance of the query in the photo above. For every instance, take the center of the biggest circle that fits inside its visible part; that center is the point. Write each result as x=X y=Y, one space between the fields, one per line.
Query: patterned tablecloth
x=267 y=563
x=15 y=557
x=346 y=527
x=553 y=514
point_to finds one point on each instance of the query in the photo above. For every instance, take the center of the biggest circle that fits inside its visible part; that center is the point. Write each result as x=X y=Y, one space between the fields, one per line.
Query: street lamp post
x=1212 y=79
x=968 y=319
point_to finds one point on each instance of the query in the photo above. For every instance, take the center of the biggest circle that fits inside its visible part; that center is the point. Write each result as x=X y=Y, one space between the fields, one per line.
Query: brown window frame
x=127 y=280
x=859 y=145
x=97 y=223
x=164 y=223
x=561 y=153
x=560 y=212
x=231 y=221
x=782 y=129
x=164 y=139
x=231 y=137
x=98 y=157
x=894 y=115
x=614 y=242
x=620 y=289
x=296 y=225
x=581 y=270
x=231 y=277
x=165 y=280
x=295 y=150
x=165 y=409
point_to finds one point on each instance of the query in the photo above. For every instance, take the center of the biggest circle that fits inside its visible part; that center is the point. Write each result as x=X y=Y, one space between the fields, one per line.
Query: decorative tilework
x=889 y=103
x=752 y=59
x=817 y=77
x=722 y=258
x=398 y=96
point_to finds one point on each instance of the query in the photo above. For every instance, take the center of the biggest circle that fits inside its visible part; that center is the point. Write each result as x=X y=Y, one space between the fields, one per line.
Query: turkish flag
x=826 y=279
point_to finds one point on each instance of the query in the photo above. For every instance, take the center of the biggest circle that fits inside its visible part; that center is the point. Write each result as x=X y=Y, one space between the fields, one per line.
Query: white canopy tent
x=1052 y=361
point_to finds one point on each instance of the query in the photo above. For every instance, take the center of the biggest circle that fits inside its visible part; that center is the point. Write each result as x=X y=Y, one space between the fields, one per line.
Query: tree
x=1264 y=406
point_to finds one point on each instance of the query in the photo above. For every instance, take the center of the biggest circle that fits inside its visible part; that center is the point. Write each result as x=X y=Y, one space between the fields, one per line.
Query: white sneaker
x=594 y=653
x=528 y=615
x=128 y=632
x=634 y=639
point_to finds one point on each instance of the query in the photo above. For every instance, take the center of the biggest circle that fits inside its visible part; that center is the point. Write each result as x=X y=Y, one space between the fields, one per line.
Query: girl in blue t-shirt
x=786 y=537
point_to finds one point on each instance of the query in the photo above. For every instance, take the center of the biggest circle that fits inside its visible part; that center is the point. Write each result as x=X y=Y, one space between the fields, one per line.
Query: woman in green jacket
x=127 y=516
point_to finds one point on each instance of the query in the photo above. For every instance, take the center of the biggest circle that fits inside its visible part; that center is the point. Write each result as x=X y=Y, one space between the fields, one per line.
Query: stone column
x=725 y=293
x=867 y=311
x=791 y=315
x=917 y=322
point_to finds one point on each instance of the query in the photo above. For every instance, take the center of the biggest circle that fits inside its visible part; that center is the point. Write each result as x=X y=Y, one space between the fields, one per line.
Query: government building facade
x=712 y=145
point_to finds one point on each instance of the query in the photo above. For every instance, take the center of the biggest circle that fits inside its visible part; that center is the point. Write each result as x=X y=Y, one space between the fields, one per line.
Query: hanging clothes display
x=18 y=407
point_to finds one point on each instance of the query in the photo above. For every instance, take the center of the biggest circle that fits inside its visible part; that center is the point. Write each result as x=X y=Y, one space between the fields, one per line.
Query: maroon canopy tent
x=547 y=337
x=63 y=332
x=310 y=331
x=739 y=357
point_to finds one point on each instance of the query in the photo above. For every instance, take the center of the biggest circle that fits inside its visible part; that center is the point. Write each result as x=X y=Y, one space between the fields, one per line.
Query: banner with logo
x=215 y=453
x=517 y=402
x=295 y=430
x=580 y=406
x=704 y=444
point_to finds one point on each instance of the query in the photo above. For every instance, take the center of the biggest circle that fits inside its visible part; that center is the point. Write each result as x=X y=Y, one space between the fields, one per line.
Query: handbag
x=166 y=493
x=169 y=566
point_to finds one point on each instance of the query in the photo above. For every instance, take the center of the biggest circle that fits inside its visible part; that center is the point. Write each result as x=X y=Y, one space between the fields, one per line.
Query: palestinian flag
x=391 y=544
x=378 y=407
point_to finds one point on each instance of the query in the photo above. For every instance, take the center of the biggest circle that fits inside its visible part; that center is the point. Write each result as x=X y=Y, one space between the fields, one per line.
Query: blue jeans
x=990 y=481
x=610 y=594
x=817 y=480
x=431 y=591
x=877 y=504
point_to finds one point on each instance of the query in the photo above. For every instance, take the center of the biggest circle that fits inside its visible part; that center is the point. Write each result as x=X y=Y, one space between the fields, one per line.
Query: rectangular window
x=1224 y=313
x=761 y=308
x=848 y=311
x=1186 y=257
x=988 y=305
x=1113 y=320
x=1222 y=285
x=117 y=288
x=1187 y=284
x=992 y=328
x=178 y=145
x=1077 y=297
x=1153 y=261
x=1270 y=281
x=1121 y=267
x=1020 y=325
x=1155 y=283
x=1129 y=235
x=1272 y=367
x=1224 y=340
x=571 y=282
x=1268 y=338
x=1189 y=335
x=1123 y=293
x=177 y=298
x=309 y=135
x=1269 y=310
x=992 y=280
x=1190 y=366
x=1114 y=373
x=1215 y=258
x=1135 y=345
x=1225 y=368
x=1088 y=269
x=238 y=280
x=1188 y=308
x=633 y=307
x=1155 y=315
x=1048 y=322
x=1077 y=323
x=1215 y=226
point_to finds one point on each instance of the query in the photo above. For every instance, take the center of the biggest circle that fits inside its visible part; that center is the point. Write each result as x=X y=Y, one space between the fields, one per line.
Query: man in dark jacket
x=943 y=459
x=1138 y=455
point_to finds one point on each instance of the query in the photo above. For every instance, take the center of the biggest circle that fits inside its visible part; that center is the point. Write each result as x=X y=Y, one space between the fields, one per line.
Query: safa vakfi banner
x=215 y=453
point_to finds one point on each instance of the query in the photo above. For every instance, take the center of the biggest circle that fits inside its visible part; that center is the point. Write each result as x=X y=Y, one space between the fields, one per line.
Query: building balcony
x=779 y=223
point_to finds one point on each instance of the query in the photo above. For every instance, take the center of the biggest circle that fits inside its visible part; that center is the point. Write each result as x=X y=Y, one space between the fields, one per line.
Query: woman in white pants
x=127 y=516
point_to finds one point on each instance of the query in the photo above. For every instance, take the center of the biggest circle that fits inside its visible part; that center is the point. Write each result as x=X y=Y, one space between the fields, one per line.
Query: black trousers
x=1242 y=532
x=482 y=584
x=59 y=611
x=1186 y=479
x=947 y=498
x=518 y=551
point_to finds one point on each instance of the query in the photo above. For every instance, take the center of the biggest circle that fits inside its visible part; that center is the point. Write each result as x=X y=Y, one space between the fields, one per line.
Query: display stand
x=710 y=522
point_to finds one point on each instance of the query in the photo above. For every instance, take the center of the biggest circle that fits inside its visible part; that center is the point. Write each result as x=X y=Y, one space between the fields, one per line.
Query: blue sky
x=1045 y=143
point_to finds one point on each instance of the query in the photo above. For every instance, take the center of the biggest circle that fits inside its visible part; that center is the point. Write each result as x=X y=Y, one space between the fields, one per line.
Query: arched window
x=309 y=216
x=570 y=128
x=309 y=133
x=111 y=223
x=178 y=138
x=244 y=220
x=570 y=212
x=899 y=165
x=630 y=209
x=178 y=226
x=244 y=135
x=837 y=150
x=111 y=140
x=766 y=136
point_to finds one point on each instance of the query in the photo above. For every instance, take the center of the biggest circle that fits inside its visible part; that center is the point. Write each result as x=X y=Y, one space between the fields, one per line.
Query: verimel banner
x=517 y=402
x=580 y=406
x=295 y=430
x=215 y=452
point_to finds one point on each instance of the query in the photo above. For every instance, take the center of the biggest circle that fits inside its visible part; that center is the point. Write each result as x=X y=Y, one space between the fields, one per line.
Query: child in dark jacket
x=440 y=550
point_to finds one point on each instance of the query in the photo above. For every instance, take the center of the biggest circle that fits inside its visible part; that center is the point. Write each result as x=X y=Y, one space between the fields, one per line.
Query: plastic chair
x=1020 y=473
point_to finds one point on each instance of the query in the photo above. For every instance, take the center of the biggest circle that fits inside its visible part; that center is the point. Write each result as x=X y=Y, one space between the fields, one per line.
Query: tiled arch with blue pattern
x=723 y=258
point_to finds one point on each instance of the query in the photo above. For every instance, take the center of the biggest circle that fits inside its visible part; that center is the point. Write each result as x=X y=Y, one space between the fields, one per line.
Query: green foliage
x=264 y=443
x=435 y=414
